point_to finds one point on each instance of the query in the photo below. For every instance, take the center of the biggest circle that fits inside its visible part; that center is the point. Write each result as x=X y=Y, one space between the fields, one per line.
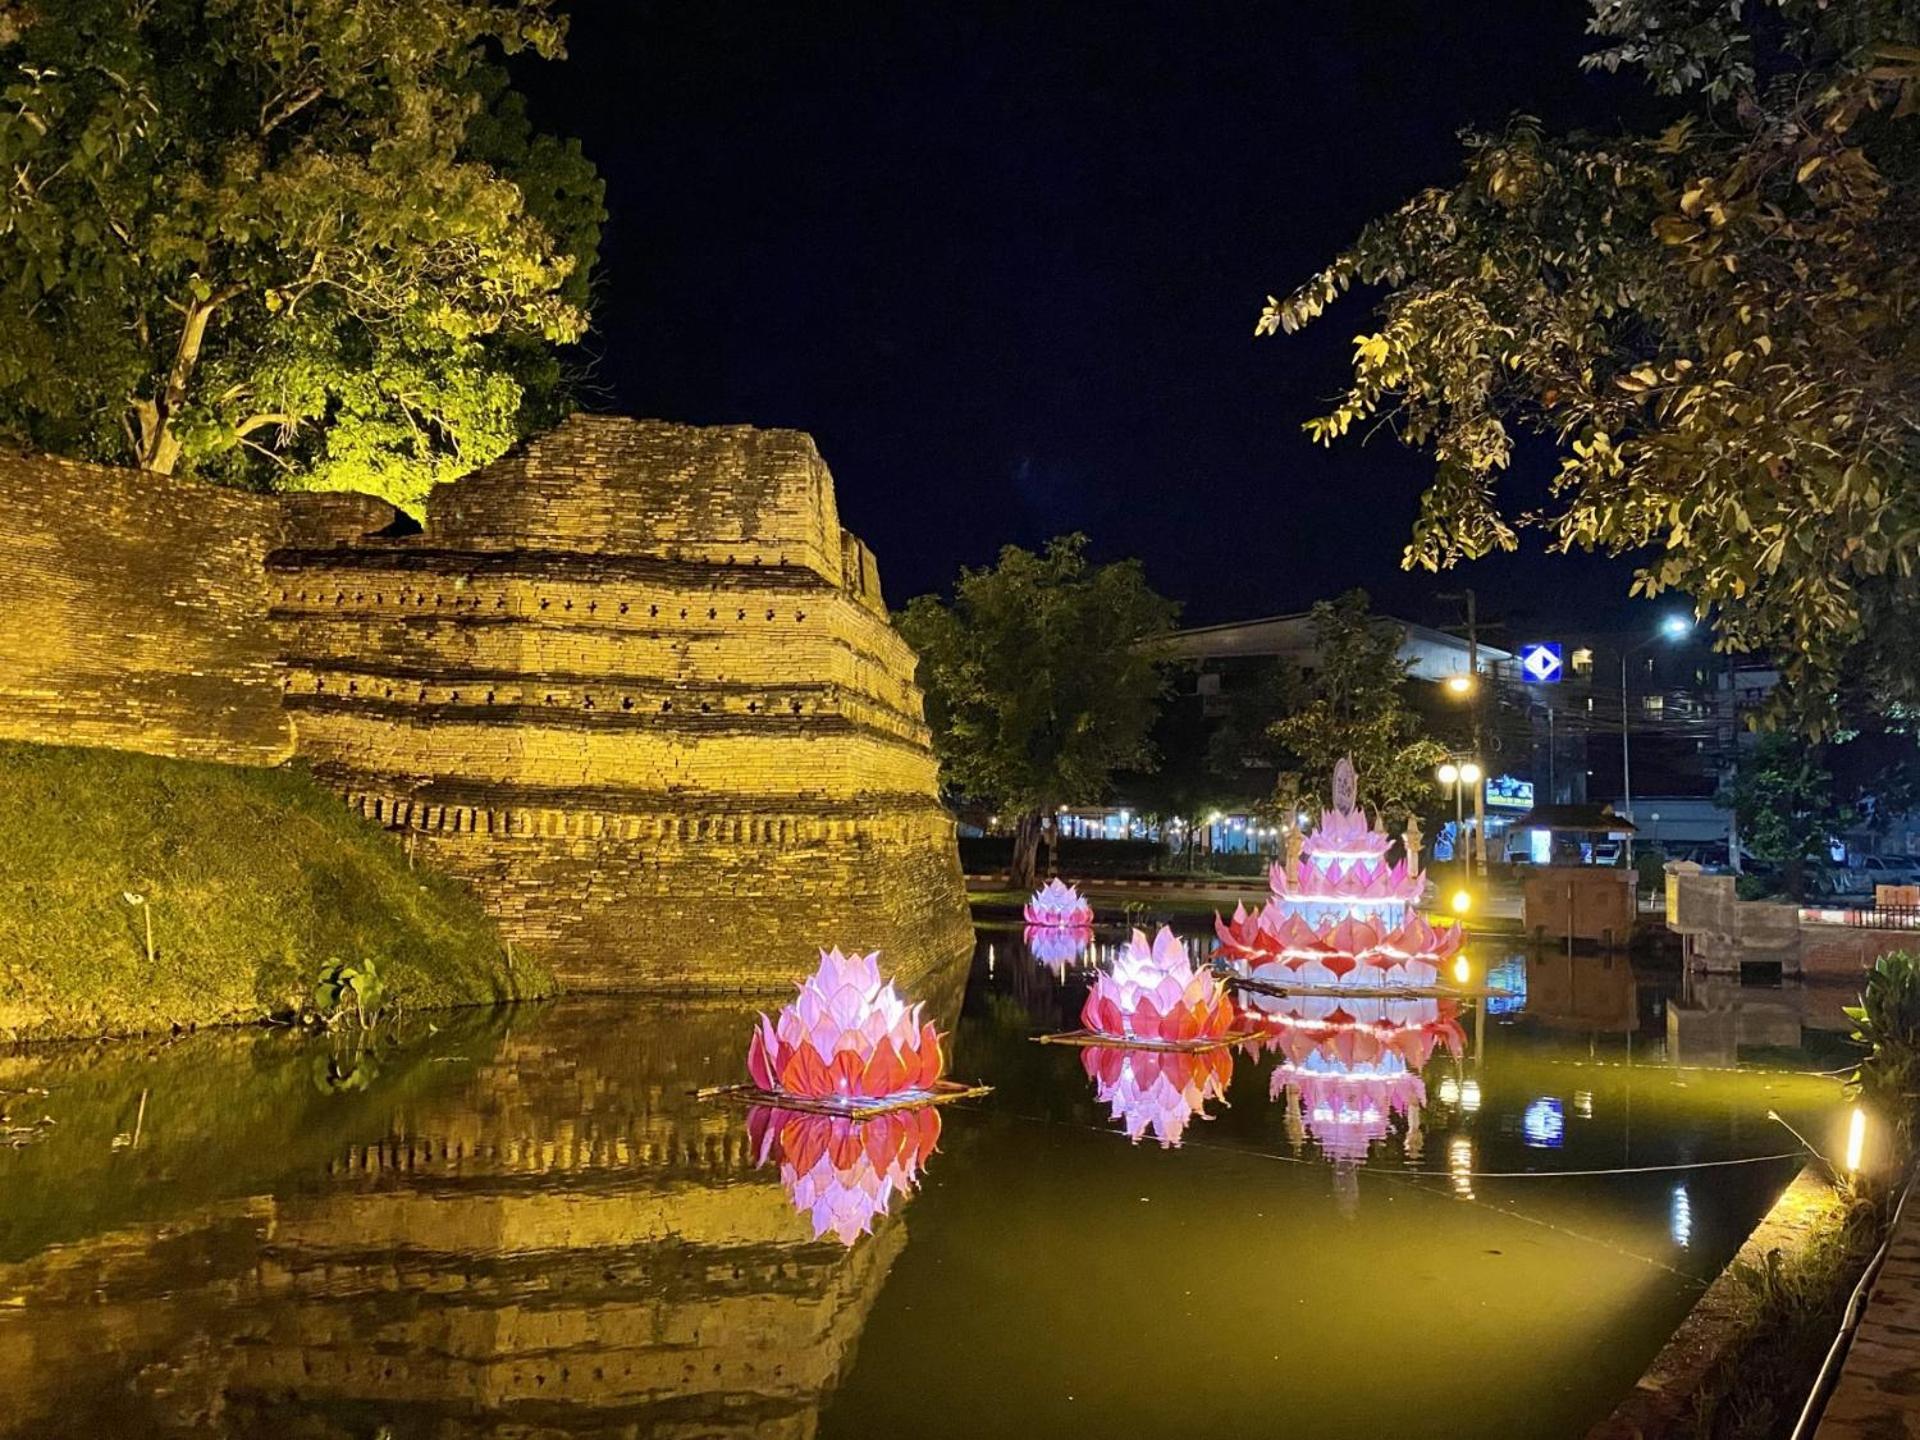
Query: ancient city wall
x=633 y=682
x=135 y=614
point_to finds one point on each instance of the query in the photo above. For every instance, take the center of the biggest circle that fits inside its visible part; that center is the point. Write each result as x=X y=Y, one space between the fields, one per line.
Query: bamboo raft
x=1091 y=1038
x=944 y=1092
x=1366 y=992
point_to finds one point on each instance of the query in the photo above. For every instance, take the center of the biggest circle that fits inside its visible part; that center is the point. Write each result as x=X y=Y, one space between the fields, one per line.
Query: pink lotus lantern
x=839 y=1172
x=1059 y=907
x=1157 y=1092
x=1057 y=947
x=847 y=1037
x=1154 y=994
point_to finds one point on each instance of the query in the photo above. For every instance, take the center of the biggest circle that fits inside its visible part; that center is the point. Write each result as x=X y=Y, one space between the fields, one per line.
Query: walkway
x=1878 y=1397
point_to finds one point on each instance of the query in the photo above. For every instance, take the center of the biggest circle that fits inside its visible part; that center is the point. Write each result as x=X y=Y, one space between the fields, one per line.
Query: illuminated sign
x=1509 y=792
x=1541 y=663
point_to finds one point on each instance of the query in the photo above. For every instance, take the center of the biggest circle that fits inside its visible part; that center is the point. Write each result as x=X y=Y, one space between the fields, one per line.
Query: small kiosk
x=1576 y=889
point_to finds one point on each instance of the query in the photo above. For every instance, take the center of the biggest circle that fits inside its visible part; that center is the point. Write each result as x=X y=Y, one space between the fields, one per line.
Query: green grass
x=253 y=879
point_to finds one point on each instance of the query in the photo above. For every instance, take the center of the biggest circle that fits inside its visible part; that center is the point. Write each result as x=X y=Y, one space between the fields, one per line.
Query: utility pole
x=1479 y=845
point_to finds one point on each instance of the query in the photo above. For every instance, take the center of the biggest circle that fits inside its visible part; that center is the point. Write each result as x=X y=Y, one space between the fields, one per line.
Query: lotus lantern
x=1059 y=906
x=1155 y=994
x=847 y=1036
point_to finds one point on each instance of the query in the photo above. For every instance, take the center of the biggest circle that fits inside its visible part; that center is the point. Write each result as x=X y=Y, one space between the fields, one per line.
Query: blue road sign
x=1540 y=663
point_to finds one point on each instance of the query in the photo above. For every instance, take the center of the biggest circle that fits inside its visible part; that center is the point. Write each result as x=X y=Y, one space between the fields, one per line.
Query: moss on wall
x=253 y=879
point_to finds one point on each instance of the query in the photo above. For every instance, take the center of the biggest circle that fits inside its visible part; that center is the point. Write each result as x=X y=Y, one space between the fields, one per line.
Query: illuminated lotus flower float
x=1274 y=943
x=847 y=1037
x=1058 y=906
x=842 y=1173
x=1154 y=996
x=1157 y=1092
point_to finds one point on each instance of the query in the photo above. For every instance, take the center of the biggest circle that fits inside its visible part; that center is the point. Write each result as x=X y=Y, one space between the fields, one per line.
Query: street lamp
x=1674 y=627
x=1460 y=684
x=1456 y=776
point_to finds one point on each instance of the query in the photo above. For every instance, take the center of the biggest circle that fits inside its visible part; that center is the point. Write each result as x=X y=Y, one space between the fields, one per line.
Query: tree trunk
x=157 y=446
x=1023 y=872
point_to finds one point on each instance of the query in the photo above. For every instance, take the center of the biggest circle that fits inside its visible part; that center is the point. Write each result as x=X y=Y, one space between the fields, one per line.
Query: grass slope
x=253 y=878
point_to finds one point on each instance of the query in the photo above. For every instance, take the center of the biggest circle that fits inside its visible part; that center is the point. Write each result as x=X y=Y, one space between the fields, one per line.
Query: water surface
x=523 y=1224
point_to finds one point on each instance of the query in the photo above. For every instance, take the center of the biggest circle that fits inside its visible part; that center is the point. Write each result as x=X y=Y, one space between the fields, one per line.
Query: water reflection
x=520 y=1227
x=1058 y=947
x=1157 y=1092
x=523 y=1226
x=842 y=1173
x=1350 y=1066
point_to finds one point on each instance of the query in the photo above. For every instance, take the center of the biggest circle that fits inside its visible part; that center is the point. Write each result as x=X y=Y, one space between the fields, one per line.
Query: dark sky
x=1003 y=262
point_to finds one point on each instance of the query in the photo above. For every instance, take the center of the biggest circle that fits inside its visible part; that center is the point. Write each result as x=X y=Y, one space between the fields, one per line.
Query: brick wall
x=636 y=684
x=133 y=613
x=632 y=681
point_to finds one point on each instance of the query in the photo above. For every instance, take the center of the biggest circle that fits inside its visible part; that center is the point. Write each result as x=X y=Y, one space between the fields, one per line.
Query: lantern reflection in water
x=1350 y=1065
x=1058 y=948
x=1157 y=1092
x=843 y=1173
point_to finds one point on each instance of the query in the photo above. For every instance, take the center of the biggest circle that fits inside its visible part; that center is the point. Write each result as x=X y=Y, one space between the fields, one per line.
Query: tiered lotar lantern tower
x=1340 y=961
x=1340 y=914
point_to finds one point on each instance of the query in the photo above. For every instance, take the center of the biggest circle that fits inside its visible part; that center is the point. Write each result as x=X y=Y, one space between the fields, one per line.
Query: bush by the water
x=252 y=880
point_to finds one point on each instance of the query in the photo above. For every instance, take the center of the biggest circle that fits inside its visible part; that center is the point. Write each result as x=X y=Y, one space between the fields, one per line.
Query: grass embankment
x=1788 y=1309
x=253 y=879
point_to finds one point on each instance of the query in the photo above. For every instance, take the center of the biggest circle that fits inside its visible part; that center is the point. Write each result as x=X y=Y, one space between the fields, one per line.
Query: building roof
x=1594 y=819
x=1430 y=654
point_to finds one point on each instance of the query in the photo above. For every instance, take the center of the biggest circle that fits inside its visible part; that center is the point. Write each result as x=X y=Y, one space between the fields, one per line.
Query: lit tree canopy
x=1718 y=324
x=1352 y=704
x=1042 y=678
x=308 y=244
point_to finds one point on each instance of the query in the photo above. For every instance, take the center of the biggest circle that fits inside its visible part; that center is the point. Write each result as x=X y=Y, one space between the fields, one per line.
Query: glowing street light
x=1459 y=684
x=1674 y=627
x=1470 y=773
x=1449 y=773
x=1856 y=1139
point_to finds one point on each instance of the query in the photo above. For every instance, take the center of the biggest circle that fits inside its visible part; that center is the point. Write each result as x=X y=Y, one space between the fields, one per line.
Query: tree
x=1353 y=703
x=289 y=245
x=1716 y=324
x=1042 y=678
x=1782 y=796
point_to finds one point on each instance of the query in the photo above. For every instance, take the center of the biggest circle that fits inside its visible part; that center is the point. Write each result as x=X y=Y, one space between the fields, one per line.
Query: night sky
x=1003 y=262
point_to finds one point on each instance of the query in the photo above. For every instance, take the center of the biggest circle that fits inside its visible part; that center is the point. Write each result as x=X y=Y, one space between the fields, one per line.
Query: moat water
x=525 y=1224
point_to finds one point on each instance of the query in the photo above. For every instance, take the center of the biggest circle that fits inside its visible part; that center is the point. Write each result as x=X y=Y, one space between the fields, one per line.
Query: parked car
x=1838 y=882
x=1889 y=869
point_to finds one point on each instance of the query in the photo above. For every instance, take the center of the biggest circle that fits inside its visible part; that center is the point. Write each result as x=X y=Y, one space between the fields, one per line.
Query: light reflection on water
x=524 y=1225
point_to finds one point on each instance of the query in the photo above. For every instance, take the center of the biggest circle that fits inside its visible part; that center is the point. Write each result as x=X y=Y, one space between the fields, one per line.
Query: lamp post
x=1455 y=775
x=1674 y=627
x=1467 y=687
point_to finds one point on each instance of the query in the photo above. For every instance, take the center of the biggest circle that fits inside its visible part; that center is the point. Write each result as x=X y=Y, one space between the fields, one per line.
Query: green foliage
x=1717 y=324
x=1782 y=796
x=254 y=878
x=1042 y=678
x=342 y=983
x=309 y=245
x=1887 y=1022
x=1353 y=703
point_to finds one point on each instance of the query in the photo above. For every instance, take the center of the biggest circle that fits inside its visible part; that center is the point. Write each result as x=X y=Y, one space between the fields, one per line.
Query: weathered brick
x=633 y=682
